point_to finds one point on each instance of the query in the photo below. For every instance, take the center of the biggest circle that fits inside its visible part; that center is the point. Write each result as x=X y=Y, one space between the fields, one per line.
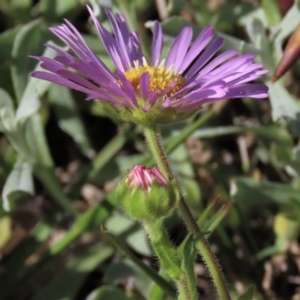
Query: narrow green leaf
x=69 y=280
x=189 y=253
x=153 y=275
x=205 y=214
x=37 y=142
x=251 y=192
x=6 y=110
x=28 y=41
x=88 y=221
x=257 y=34
x=106 y=154
x=131 y=231
x=18 y=184
x=218 y=217
x=6 y=41
x=288 y=24
x=272 y=11
x=248 y=295
x=50 y=181
x=177 y=140
x=107 y=292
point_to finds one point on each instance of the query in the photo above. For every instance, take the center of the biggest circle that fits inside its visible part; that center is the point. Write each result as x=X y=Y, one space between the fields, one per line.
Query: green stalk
x=169 y=259
x=153 y=137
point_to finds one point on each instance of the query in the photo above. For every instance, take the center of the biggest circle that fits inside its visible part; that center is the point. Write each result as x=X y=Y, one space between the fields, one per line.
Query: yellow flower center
x=160 y=78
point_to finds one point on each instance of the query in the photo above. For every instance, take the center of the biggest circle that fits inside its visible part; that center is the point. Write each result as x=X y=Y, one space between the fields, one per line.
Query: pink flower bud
x=143 y=177
x=146 y=195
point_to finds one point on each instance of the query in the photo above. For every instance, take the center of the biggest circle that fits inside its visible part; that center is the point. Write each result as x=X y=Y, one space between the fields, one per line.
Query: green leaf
x=134 y=235
x=106 y=154
x=218 y=217
x=257 y=34
x=251 y=192
x=189 y=253
x=125 y=269
x=17 y=9
x=37 y=142
x=107 y=292
x=69 y=119
x=6 y=111
x=272 y=11
x=257 y=13
x=29 y=41
x=182 y=166
x=271 y=133
x=286 y=158
x=284 y=107
x=230 y=14
x=6 y=41
x=69 y=280
x=88 y=221
x=54 y=10
x=288 y=24
x=35 y=88
x=18 y=184
x=248 y=295
x=139 y=267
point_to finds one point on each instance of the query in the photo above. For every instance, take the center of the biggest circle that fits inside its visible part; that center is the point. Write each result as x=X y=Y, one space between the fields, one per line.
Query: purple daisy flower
x=156 y=91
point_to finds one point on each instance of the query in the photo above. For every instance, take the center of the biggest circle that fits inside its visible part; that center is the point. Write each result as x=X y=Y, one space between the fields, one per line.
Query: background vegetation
x=61 y=157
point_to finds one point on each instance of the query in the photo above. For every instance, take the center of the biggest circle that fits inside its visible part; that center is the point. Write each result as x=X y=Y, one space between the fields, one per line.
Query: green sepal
x=154 y=116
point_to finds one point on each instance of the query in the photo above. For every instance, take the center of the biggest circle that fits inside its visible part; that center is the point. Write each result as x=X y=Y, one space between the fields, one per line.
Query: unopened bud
x=145 y=194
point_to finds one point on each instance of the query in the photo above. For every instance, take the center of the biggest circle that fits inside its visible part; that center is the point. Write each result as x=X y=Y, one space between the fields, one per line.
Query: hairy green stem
x=169 y=259
x=154 y=140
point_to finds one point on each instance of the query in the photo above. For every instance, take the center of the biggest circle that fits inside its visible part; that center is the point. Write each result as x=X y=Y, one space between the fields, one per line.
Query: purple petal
x=102 y=95
x=128 y=40
x=197 y=99
x=77 y=79
x=119 y=39
x=157 y=44
x=208 y=53
x=233 y=65
x=179 y=48
x=200 y=43
x=128 y=88
x=82 y=51
x=144 y=85
x=137 y=44
x=247 y=77
x=248 y=90
x=109 y=44
x=59 y=80
x=217 y=61
x=153 y=97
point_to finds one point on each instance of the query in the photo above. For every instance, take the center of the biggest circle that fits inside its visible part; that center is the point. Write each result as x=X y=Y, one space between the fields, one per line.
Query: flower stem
x=169 y=259
x=154 y=140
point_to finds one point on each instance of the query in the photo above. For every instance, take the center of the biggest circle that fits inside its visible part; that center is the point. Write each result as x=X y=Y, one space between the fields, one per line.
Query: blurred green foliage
x=60 y=159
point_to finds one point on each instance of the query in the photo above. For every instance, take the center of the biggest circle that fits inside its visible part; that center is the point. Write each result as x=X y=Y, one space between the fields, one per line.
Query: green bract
x=156 y=115
x=150 y=204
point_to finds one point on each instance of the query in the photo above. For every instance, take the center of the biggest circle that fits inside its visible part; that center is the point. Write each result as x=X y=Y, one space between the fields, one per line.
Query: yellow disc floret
x=160 y=78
